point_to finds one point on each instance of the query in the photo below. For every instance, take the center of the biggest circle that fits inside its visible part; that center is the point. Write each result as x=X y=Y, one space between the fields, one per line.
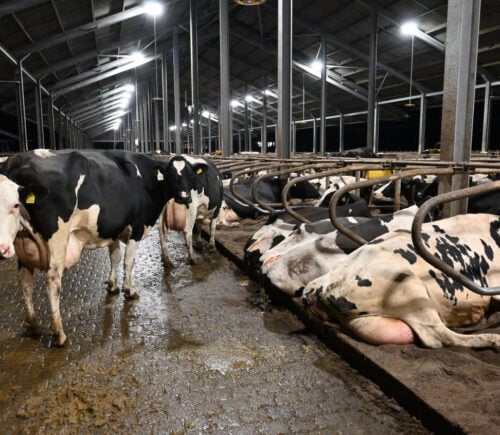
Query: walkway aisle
x=196 y=354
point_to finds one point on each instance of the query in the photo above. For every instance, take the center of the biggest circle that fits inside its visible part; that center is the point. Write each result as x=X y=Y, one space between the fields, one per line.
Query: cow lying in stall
x=79 y=200
x=386 y=294
x=269 y=191
x=311 y=250
x=280 y=224
x=196 y=199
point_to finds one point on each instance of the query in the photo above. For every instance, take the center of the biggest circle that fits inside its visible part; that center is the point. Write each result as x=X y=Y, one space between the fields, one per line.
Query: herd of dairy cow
x=54 y=204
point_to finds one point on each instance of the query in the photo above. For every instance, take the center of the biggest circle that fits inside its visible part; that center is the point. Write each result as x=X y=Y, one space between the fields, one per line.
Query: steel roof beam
x=100 y=77
x=334 y=41
x=80 y=31
x=84 y=117
x=397 y=21
x=97 y=99
x=9 y=7
x=92 y=72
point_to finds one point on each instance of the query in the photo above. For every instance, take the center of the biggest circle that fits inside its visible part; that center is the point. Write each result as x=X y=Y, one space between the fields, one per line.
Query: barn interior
x=77 y=61
x=267 y=88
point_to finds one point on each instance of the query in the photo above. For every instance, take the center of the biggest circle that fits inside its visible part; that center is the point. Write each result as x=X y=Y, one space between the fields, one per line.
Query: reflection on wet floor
x=199 y=352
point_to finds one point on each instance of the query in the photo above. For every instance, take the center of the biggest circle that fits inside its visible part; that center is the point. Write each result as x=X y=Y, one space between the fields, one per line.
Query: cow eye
x=16 y=205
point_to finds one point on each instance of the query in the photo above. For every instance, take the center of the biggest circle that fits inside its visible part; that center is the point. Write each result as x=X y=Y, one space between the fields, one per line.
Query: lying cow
x=311 y=250
x=269 y=192
x=82 y=200
x=280 y=224
x=197 y=196
x=386 y=294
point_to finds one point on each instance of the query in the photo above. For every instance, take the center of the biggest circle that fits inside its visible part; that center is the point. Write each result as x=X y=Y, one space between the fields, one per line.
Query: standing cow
x=82 y=200
x=10 y=217
x=196 y=199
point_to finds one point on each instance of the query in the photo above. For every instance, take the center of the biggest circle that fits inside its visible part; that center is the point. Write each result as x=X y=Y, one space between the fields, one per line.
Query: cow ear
x=31 y=195
x=199 y=168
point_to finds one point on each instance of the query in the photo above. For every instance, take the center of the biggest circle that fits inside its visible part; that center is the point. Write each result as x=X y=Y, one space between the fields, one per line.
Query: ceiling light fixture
x=409 y=28
x=250 y=2
x=153 y=9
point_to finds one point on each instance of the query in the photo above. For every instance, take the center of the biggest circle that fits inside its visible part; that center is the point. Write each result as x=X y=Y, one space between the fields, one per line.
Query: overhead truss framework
x=72 y=55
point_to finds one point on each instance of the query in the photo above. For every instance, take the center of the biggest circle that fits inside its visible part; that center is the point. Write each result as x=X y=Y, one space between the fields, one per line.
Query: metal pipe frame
x=416 y=235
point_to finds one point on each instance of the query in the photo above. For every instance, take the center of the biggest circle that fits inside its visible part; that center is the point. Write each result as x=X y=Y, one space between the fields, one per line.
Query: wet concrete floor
x=200 y=352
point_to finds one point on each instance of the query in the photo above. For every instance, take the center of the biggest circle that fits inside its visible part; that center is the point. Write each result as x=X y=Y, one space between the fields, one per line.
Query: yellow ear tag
x=199 y=171
x=30 y=199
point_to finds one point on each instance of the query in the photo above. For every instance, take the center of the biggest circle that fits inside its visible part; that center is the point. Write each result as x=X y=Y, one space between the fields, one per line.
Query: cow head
x=184 y=172
x=10 y=218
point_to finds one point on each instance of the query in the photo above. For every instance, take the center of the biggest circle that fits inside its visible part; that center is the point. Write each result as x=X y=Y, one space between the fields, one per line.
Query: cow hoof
x=113 y=291
x=58 y=339
x=130 y=296
x=211 y=248
x=195 y=260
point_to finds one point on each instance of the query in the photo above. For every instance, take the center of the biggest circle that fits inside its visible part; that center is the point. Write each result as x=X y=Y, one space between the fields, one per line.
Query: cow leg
x=25 y=275
x=128 y=288
x=163 y=231
x=197 y=235
x=54 y=277
x=211 y=243
x=114 y=257
x=188 y=235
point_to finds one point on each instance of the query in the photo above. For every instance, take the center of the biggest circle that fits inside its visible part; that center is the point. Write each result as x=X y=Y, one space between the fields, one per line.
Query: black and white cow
x=385 y=293
x=196 y=199
x=311 y=250
x=10 y=218
x=82 y=200
x=269 y=192
x=280 y=224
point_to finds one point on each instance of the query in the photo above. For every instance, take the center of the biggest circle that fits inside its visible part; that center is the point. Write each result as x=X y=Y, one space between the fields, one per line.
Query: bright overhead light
x=409 y=28
x=184 y=124
x=116 y=126
x=129 y=87
x=235 y=103
x=205 y=114
x=173 y=128
x=270 y=93
x=248 y=98
x=317 y=65
x=124 y=103
x=153 y=8
x=137 y=57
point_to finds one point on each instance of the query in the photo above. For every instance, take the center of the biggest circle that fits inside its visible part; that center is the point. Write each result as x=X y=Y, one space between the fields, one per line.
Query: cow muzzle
x=183 y=198
x=6 y=251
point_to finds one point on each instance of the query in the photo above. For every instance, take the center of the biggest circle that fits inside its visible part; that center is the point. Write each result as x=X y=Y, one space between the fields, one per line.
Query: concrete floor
x=200 y=352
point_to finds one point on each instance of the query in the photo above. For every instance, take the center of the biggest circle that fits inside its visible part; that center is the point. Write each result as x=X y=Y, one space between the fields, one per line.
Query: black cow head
x=185 y=172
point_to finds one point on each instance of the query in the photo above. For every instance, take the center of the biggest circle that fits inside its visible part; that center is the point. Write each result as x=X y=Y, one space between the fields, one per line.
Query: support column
x=341 y=132
x=458 y=93
x=263 y=137
x=284 y=78
x=39 y=115
x=52 y=123
x=193 y=34
x=224 y=115
x=164 y=93
x=421 y=124
x=21 y=111
x=485 y=140
x=246 y=119
x=372 y=75
x=177 y=92
x=315 y=135
x=322 y=126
